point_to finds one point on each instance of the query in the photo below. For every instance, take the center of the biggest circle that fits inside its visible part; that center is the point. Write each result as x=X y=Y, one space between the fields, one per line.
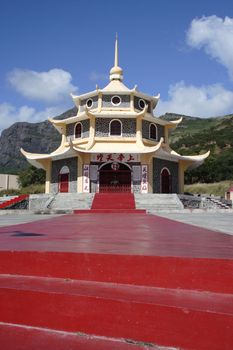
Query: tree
x=31 y=176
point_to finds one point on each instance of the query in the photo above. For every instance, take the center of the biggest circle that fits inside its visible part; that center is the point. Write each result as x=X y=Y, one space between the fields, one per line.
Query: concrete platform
x=15 y=217
x=221 y=220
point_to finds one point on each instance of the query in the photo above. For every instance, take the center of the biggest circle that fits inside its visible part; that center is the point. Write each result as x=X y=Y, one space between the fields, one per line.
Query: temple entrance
x=64 y=179
x=165 y=179
x=115 y=177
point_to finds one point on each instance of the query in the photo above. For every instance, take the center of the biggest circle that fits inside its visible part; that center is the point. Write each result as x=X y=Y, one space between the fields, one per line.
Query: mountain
x=32 y=137
x=197 y=135
x=193 y=136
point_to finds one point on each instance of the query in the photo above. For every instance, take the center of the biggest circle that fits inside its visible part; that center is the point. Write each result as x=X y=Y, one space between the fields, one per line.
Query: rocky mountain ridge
x=32 y=137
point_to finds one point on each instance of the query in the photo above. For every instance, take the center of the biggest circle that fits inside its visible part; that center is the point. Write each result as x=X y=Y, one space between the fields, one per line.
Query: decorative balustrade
x=194 y=202
x=20 y=202
x=190 y=201
x=114 y=188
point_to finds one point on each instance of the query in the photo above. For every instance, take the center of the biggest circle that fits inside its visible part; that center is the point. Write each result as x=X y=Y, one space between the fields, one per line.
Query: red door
x=111 y=180
x=64 y=183
x=165 y=181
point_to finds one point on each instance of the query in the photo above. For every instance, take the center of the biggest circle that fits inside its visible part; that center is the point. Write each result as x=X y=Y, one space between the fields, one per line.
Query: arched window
x=115 y=128
x=153 y=132
x=64 y=170
x=78 y=131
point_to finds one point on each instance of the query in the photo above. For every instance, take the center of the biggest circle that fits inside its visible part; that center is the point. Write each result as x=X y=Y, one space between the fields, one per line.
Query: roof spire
x=116 y=73
x=116 y=52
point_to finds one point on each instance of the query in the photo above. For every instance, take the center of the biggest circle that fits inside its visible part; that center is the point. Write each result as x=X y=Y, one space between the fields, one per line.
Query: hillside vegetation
x=215 y=188
x=195 y=136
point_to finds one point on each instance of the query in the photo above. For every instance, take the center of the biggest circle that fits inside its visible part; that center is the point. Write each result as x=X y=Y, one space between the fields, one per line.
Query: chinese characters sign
x=114 y=157
x=86 y=182
x=144 y=179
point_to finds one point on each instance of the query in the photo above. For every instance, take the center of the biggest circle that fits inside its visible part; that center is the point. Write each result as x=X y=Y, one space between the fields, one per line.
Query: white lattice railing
x=114 y=188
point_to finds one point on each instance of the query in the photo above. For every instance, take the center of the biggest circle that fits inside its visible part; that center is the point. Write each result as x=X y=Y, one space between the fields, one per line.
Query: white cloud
x=52 y=86
x=94 y=76
x=204 y=101
x=215 y=36
x=10 y=114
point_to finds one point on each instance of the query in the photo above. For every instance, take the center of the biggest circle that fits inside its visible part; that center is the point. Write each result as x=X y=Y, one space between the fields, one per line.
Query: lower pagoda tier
x=114 y=172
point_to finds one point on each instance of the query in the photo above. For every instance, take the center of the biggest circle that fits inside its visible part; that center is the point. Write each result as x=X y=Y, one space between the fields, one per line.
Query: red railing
x=13 y=201
x=114 y=188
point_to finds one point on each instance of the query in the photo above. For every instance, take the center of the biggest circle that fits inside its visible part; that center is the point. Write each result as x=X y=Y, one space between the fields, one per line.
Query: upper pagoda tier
x=92 y=129
x=115 y=96
x=115 y=100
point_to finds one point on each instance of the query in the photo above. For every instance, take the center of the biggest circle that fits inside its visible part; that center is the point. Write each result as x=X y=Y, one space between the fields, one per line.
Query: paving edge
x=63 y=334
x=70 y=211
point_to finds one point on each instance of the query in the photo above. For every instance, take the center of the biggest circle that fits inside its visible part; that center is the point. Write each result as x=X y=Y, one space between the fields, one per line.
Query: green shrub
x=31 y=176
x=31 y=189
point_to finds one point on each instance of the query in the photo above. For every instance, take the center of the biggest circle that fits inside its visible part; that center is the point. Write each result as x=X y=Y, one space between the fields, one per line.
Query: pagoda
x=114 y=144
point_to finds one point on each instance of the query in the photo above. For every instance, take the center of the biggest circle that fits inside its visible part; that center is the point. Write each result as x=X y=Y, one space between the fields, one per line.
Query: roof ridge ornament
x=116 y=73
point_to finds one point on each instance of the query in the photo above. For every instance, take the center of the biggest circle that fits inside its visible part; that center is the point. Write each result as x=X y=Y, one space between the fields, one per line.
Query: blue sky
x=180 y=49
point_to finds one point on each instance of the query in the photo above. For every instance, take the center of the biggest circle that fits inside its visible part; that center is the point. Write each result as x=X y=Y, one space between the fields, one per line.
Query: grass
x=215 y=188
x=32 y=189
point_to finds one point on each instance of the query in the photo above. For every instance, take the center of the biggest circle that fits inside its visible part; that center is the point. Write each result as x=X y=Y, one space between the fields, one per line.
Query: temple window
x=116 y=100
x=89 y=103
x=141 y=104
x=78 y=131
x=115 y=128
x=153 y=132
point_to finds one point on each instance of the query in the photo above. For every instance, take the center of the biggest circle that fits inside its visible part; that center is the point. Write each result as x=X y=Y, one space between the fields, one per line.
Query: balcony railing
x=114 y=188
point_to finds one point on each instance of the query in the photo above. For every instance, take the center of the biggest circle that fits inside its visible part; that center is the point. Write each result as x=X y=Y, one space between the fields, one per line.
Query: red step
x=214 y=275
x=113 y=201
x=109 y=203
x=109 y=211
x=180 y=318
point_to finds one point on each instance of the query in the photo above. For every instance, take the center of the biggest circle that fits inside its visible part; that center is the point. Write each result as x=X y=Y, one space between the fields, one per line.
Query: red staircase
x=115 y=282
x=13 y=201
x=98 y=301
x=113 y=203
